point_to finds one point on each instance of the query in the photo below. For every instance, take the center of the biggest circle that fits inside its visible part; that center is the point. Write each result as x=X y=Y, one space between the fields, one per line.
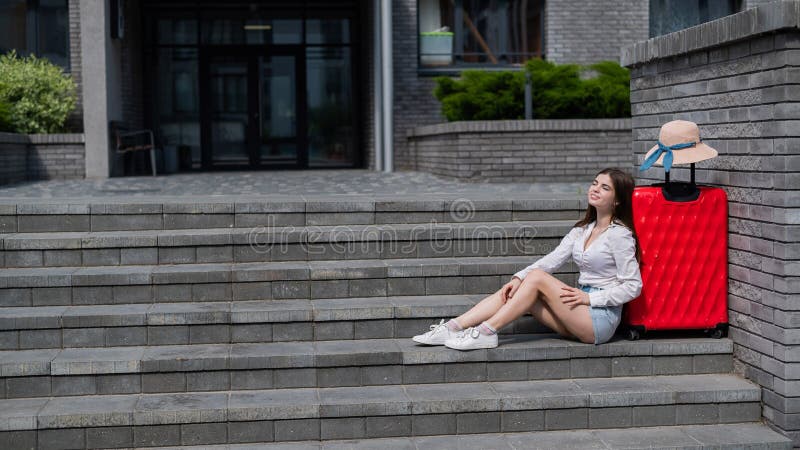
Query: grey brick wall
x=575 y=31
x=368 y=92
x=75 y=121
x=132 y=70
x=522 y=151
x=736 y=78
x=586 y=32
x=414 y=103
x=41 y=157
x=13 y=151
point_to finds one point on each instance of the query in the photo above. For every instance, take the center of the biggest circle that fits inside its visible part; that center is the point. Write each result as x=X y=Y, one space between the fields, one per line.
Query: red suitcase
x=683 y=233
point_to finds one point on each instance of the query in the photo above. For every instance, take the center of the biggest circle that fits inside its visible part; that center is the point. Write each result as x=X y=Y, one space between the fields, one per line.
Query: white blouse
x=609 y=263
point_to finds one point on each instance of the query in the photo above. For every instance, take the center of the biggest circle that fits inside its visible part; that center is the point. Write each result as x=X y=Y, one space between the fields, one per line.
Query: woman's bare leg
x=544 y=315
x=481 y=311
x=541 y=286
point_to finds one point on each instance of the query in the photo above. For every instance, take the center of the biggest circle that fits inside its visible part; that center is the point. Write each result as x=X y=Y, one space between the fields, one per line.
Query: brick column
x=737 y=77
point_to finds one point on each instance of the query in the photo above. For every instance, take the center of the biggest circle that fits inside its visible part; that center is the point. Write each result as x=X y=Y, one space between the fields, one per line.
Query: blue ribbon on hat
x=666 y=150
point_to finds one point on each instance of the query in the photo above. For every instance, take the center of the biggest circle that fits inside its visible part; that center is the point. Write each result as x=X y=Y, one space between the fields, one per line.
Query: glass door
x=251 y=110
x=277 y=104
x=230 y=115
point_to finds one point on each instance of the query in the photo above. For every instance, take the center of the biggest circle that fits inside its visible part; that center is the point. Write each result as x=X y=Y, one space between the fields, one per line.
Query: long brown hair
x=623 y=211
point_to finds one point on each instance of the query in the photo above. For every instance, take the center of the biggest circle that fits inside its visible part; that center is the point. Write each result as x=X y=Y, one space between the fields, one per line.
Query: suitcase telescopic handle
x=680 y=191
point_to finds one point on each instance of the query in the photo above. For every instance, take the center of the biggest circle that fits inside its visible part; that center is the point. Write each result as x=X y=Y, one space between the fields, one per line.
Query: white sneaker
x=437 y=336
x=472 y=339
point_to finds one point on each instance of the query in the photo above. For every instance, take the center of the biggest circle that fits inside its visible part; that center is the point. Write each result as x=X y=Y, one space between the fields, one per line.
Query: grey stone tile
x=373 y=329
x=382 y=375
x=83 y=337
x=486 y=422
x=28 y=387
x=109 y=437
x=252 y=379
x=178 y=358
x=75 y=412
x=738 y=412
x=522 y=395
x=654 y=416
x=150 y=436
x=423 y=374
x=610 y=417
x=507 y=371
x=566 y=419
x=325 y=331
x=259 y=431
x=166 y=409
x=277 y=355
x=343 y=428
x=29 y=339
x=672 y=365
x=77 y=385
x=292 y=378
x=512 y=421
x=364 y=401
x=260 y=332
x=338 y=376
x=630 y=366
x=209 y=334
x=295 y=331
x=168 y=335
x=154 y=383
x=204 y=433
x=648 y=437
x=61 y=439
x=452 y=398
x=126 y=336
x=297 y=430
x=697 y=414
x=274 y=404
x=18 y=439
x=595 y=367
x=379 y=427
x=433 y=424
x=119 y=384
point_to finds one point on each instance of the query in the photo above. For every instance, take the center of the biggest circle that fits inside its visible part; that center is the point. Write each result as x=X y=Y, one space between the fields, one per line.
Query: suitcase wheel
x=718 y=332
x=634 y=333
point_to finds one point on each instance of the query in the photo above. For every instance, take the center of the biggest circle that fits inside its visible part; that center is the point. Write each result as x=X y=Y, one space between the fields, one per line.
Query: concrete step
x=280 y=243
x=753 y=436
x=212 y=367
x=231 y=322
x=379 y=411
x=261 y=281
x=39 y=216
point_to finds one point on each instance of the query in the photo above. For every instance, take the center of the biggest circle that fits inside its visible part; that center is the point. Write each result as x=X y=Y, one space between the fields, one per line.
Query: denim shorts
x=605 y=320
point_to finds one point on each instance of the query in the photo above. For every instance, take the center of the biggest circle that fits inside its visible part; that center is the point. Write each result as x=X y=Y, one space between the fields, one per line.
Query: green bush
x=5 y=116
x=558 y=92
x=41 y=96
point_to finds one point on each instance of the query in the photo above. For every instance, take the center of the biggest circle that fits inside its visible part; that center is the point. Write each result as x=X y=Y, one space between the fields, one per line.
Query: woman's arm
x=623 y=247
x=555 y=259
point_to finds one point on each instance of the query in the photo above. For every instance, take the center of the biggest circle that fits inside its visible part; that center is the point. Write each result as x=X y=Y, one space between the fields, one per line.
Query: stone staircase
x=217 y=322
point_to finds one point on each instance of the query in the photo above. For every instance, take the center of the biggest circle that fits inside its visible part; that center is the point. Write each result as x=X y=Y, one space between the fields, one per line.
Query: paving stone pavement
x=280 y=184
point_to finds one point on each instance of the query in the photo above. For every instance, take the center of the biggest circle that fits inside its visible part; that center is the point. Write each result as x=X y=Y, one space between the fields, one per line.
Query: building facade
x=304 y=84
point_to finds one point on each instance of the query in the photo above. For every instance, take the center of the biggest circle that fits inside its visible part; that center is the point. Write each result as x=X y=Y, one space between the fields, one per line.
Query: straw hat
x=681 y=139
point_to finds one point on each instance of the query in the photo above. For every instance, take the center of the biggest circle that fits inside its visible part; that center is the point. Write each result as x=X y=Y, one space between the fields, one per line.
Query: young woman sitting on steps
x=603 y=245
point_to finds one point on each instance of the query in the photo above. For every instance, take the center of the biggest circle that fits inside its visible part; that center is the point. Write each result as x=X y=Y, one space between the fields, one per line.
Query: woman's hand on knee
x=573 y=297
x=509 y=289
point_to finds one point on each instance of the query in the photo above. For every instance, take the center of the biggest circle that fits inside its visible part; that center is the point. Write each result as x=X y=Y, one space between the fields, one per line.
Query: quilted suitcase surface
x=684 y=262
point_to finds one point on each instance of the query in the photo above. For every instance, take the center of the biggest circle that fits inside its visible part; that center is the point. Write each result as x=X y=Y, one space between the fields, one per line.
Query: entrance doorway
x=251 y=108
x=255 y=85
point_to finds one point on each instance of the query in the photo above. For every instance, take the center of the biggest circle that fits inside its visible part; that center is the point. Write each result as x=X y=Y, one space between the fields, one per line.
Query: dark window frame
x=457 y=67
x=32 y=33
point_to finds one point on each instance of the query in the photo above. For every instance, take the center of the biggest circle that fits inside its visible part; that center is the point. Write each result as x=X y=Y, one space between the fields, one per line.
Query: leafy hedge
x=39 y=95
x=558 y=90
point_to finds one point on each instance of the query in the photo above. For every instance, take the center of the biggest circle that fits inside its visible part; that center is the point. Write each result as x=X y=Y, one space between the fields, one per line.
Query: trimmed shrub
x=41 y=96
x=558 y=92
